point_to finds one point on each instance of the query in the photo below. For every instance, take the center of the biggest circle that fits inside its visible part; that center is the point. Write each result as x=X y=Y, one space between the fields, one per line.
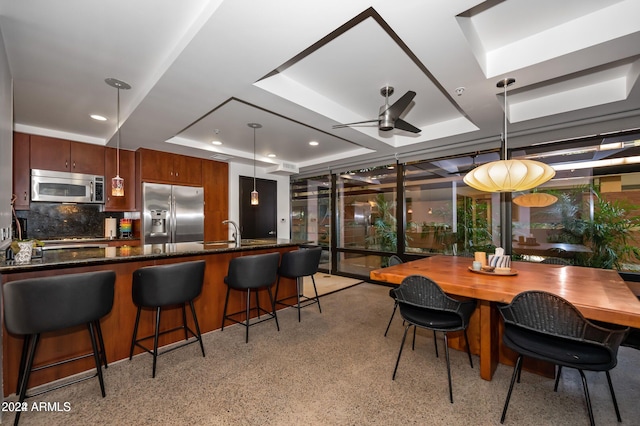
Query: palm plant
x=609 y=234
x=385 y=226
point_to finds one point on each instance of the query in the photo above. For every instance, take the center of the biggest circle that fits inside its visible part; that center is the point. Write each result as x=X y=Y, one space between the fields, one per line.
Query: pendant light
x=117 y=183
x=535 y=199
x=254 y=193
x=508 y=175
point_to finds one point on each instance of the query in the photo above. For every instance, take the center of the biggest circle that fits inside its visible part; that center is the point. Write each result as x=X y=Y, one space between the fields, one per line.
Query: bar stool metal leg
x=184 y=322
x=224 y=311
x=24 y=380
x=155 y=342
x=96 y=357
x=135 y=333
x=315 y=290
x=23 y=360
x=195 y=322
x=246 y=334
x=103 y=352
x=273 y=308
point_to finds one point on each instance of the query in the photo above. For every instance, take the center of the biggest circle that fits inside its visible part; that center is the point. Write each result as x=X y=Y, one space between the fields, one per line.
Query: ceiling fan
x=389 y=116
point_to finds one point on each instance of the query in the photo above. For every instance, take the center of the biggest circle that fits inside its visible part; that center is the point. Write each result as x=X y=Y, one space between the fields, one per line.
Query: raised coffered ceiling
x=204 y=69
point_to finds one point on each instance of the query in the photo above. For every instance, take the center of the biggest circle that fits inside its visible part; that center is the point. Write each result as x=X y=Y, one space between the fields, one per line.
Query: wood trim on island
x=117 y=326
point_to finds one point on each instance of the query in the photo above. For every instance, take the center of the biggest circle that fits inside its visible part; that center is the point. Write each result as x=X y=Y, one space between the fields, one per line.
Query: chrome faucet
x=235 y=235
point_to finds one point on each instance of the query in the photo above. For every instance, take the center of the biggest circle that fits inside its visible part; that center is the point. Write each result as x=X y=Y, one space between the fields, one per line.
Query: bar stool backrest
x=255 y=271
x=164 y=285
x=300 y=263
x=38 y=305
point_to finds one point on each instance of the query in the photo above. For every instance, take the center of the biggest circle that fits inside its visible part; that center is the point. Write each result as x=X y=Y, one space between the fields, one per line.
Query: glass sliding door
x=311 y=214
x=367 y=228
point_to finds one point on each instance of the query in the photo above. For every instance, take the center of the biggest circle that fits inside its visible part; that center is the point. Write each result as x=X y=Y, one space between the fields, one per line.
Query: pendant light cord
x=254 y=159
x=118 y=134
x=505 y=120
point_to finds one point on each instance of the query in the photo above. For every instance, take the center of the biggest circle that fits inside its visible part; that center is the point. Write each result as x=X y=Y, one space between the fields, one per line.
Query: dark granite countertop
x=86 y=240
x=53 y=259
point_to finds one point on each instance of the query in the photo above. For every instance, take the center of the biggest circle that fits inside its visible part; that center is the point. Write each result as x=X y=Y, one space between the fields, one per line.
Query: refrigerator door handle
x=172 y=202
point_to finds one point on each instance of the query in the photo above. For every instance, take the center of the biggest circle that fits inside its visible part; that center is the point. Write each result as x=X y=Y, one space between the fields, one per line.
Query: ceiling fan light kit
x=508 y=175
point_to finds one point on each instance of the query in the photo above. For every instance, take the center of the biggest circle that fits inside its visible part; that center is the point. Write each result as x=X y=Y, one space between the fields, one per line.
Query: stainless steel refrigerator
x=172 y=214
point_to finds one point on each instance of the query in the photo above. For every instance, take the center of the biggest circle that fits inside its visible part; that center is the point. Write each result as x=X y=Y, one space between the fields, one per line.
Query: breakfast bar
x=599 y=294
x=117 y=326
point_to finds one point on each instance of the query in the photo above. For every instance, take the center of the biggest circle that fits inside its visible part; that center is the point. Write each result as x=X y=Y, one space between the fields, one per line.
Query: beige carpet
x=332 y=368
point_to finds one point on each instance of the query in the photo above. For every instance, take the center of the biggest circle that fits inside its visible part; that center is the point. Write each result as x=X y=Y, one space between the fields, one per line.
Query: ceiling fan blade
x=403 y=125
x=339 y=126
x=401 y=104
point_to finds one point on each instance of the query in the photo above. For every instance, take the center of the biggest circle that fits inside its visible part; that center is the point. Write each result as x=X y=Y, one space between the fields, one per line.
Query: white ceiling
x=201 y=70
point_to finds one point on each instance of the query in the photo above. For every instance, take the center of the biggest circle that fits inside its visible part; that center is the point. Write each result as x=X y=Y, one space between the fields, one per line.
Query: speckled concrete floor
x=332 y=368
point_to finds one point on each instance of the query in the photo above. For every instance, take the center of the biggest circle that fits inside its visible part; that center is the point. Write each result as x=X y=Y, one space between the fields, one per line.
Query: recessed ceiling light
x=313 y=143
x=98 y=117
x=216 y=142
x=271 y=155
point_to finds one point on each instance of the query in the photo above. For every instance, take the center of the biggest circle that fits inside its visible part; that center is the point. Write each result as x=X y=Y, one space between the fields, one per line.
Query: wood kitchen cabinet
x=21 y=172
x=62 y=155
x=215 y=177
x=165 y=167
x=127 y=172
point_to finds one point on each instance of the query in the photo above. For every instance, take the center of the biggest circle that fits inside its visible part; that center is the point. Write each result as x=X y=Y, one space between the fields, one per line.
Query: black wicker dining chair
x=424 y=304
x=393 y=260
x=547 y=327
x=633 y=339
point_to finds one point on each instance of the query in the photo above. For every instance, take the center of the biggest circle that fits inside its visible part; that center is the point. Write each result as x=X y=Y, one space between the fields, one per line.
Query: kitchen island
x=117 y=326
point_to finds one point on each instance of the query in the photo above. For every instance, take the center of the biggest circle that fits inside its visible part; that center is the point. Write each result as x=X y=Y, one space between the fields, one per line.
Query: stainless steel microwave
x=64 y=187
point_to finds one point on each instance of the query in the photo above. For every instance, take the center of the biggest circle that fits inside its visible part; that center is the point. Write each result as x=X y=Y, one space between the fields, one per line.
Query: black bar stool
x=299 y=264
x=162 y=286
x=252 y=273
x=39 y=305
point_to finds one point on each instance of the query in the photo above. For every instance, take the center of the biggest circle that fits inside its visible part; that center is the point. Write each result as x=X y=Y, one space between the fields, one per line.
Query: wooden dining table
x=599 y=294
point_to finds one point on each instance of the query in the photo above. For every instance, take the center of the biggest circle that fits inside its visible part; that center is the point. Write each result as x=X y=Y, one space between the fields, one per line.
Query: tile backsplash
x=53 y=220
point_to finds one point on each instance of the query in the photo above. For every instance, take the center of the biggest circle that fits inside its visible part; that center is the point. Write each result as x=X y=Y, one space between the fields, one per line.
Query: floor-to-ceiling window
x=443 y=215
x=367 y=218
x=592 y=219
x=423 y=208
x=311 y=214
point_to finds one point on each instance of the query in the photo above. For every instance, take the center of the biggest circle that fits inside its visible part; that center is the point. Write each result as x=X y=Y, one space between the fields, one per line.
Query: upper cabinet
x=21 y=173
x=165 y=167
x=66 y=156
x=127 y=172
